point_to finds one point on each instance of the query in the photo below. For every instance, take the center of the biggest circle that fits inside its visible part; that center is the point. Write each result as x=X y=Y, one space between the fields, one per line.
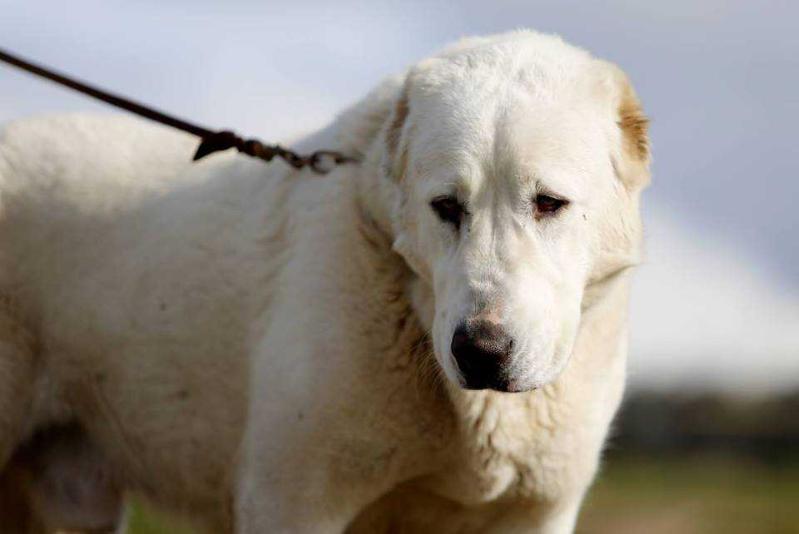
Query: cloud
x=707 y=315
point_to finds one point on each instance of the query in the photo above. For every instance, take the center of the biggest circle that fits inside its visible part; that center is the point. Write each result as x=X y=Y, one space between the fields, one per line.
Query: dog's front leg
x=305 y=485
x=281 y=503
x=538 y=518
x=313 y=455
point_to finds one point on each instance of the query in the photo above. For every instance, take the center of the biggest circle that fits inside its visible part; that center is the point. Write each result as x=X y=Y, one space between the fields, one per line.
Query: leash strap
x=321 y=161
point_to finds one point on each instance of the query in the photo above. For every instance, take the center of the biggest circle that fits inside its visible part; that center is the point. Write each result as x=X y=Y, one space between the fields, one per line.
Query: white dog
x=432 y=340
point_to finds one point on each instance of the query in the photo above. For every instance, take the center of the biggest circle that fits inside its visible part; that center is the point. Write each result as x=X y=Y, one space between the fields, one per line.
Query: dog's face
x=512 y=202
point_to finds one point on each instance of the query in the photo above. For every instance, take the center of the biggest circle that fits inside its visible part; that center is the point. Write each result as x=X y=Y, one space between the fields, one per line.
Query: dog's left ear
x=621 y=228
x=631 y=162
x=634 y=125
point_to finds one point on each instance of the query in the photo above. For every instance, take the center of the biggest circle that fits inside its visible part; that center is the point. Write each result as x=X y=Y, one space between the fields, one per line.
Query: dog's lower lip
x=473 y=385
x=516 y=388
x=500 y=386
x=513 y=386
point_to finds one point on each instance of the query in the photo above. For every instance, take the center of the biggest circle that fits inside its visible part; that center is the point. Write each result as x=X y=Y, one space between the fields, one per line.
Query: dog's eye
x=448 y=210
x=547 y=205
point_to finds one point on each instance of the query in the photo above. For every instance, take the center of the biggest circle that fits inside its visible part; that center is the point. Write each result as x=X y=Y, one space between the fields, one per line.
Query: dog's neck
x=374 y=195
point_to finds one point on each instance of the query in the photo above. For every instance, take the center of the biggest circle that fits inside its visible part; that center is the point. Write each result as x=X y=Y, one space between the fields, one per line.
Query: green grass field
x=702 y=495
x=144 y=521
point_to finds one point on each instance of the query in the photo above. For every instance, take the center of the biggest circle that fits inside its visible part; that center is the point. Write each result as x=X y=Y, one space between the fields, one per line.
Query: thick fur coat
x=266 y=350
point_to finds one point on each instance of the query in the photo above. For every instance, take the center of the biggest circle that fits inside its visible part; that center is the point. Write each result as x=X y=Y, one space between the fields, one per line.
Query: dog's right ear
x=396 y=153
x=394 y=163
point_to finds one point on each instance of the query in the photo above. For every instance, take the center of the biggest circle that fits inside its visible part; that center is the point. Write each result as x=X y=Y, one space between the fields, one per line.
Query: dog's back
x=129 y=277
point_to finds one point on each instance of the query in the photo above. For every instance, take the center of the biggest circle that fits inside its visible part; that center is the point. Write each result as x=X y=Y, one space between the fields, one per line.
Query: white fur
x=248 y=344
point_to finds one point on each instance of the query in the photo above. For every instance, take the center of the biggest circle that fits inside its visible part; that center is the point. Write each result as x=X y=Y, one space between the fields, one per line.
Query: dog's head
x=515 y=164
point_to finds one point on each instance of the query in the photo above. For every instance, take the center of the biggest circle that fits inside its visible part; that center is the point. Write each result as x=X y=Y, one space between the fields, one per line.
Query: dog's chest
x=511 y=446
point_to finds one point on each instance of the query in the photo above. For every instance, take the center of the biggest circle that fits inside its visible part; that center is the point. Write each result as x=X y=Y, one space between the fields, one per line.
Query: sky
x=716 y=304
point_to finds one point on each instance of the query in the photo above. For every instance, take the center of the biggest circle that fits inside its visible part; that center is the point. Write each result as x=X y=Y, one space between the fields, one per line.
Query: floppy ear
x=632 y=162
x=634 y=126
x=621 y=230
x=396 y=153
x=394 y=161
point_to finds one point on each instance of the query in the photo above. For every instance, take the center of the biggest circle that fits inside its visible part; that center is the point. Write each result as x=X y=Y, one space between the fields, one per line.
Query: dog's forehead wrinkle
x=556 y=164
x=511 y=145
x=520 y=156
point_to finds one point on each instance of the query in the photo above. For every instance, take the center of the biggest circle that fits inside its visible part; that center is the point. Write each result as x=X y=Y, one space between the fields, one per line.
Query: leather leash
x=321 y=161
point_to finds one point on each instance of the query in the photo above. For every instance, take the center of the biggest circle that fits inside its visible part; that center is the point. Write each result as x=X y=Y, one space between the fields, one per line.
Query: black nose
x=482 y=350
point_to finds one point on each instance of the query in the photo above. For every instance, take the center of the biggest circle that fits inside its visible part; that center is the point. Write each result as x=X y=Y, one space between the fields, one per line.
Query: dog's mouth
x=502 y=385
x=491 y=376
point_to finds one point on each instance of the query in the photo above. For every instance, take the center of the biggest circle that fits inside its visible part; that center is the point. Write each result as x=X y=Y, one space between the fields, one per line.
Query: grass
x=145 y=520
x=697 y=495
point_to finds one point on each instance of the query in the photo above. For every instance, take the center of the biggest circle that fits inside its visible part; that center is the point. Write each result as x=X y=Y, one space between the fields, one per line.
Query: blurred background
x=708 y=439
